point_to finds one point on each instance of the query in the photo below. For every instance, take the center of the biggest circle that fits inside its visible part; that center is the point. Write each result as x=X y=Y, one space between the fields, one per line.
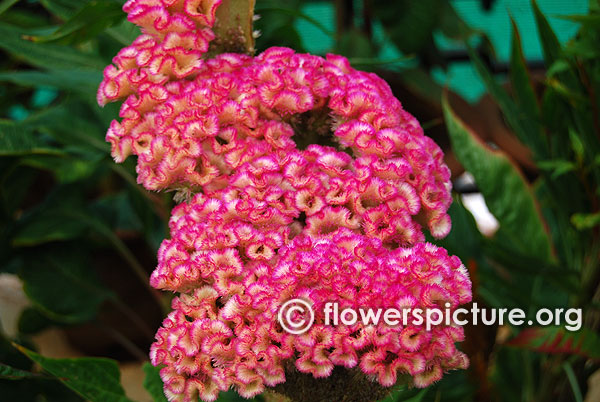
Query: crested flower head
x=311 y=182
x=234 y=274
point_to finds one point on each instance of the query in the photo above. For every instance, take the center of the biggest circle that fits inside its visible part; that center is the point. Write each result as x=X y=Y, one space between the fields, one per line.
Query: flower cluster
x=176 y=34
x=223 y=331
x=311 y=181
x=238 y=110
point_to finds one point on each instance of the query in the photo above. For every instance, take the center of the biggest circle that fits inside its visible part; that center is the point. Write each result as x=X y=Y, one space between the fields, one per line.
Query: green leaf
x=89 y=21
x=32 y=321
x=46 y=55
x=232 y=396
x=15 y=141
x=464 y=240
x=548 y=39
x=61 y=283
x=506 y=193
x=72 y=124
x=98 y=227
x=6 y=4
x=557 y=166
x=520 y=79
x=46 y=226
x=558 y=66
x=11 y=373
x=524 y=125
x=452 y=25
x=64 y=9
x=355 y=44
x=593 y=20
x=409 y=24
x=72 y=80
x=296 y=13
x=583 y=342
x=577 y=145
x=573 y=381
x=152 y=382
x=125 y=32
x=95 y=379
x=67 y=168
x=585 y=221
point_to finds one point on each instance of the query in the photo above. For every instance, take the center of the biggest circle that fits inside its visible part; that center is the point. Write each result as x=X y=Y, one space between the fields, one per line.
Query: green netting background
x=460 y=76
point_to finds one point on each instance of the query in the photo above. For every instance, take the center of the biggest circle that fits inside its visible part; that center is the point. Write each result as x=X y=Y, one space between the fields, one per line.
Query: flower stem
x=233 y=28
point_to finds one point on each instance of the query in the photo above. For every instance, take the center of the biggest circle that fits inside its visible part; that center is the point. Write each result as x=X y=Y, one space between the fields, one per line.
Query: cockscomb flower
x=303 y=178
x=223 y=331
x=196 y=135
x=176 y=33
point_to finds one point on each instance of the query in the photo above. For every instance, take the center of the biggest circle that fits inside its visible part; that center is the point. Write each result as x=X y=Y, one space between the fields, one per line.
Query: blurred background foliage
x=508 y=88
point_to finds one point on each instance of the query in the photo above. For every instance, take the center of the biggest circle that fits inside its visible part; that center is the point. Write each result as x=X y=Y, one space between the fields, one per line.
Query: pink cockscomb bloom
x=311 y=181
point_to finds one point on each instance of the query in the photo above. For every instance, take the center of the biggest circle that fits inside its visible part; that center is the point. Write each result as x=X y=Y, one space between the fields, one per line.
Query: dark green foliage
x=559 y=124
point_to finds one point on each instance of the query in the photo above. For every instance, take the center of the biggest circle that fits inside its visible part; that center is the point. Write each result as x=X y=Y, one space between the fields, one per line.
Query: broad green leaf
x=46 y=55
x=15 y=141
x=583 y=342
x=72 y=124
x=46 y=226
x=153 y=384
x=36 y=387
x=95 y=379
x=506 y=193
x=89 y=21
x=520 y=79
x=72 y=80
x=66 y=168
x=60 y=282
x=11 y=373
x=94 y=225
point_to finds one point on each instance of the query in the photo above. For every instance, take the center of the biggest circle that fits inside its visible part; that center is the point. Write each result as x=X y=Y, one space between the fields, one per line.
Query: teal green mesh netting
x=460 y=76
